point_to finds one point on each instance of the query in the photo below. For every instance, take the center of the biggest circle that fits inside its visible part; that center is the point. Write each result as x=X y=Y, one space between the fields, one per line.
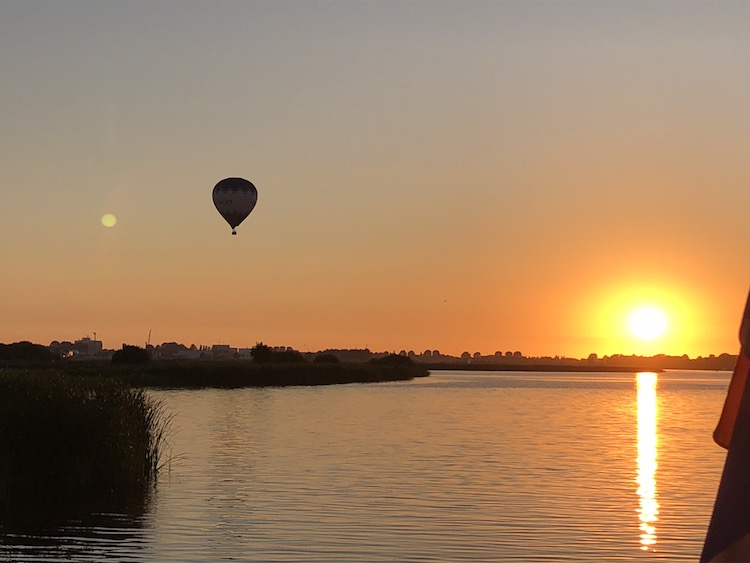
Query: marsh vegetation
x=233 y=374
x=74 y=443
x=82 y=436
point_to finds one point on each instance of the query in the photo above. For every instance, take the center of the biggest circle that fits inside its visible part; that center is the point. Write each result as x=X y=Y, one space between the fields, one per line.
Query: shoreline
x=196 y=374
x=539 y=368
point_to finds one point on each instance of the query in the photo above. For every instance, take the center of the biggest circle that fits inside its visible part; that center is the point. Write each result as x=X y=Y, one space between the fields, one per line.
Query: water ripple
x=457 y=467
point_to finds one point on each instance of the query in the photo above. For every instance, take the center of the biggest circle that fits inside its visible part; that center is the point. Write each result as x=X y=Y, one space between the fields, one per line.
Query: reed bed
x=70 y=443
x=82 y=437
x=234 y=374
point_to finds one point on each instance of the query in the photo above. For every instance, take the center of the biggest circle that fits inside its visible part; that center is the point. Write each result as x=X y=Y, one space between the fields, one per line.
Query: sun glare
x=633 y=317
x=647 y=323
x=647 y=458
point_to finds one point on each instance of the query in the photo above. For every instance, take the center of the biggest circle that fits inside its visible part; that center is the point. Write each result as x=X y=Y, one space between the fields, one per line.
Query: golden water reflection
x=648 y=512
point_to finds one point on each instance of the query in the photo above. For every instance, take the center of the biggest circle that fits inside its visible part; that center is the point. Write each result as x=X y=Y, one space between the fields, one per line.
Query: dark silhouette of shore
x=429 y=359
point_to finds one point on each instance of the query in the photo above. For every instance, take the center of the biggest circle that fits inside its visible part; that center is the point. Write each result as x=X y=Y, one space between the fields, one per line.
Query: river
x=459 y=466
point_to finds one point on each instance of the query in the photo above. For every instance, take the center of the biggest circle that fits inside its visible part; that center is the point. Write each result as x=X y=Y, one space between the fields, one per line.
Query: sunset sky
x=451 y=175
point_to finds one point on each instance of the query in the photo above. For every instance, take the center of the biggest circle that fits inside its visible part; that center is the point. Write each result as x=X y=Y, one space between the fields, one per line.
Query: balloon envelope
x=235 y=198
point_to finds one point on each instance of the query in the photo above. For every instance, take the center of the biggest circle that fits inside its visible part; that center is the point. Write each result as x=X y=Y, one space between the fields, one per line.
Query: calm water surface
x=472 y=466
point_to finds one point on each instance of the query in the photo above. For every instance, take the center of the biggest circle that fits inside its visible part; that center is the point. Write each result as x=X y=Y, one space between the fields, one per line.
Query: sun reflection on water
x=647 y=447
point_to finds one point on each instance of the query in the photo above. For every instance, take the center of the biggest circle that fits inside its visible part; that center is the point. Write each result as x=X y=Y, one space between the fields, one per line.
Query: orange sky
x=486 y=177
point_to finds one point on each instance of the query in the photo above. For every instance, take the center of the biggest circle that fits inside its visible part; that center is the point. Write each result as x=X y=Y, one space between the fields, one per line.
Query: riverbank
x=82 y=436
x=235 y=374
x=196 y=374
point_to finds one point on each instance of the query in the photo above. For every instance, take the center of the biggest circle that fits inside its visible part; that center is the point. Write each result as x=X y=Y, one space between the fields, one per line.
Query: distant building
x=245 y=353
x=188 y=354
x=223 y=352
x=87 y=347
x=65 y=349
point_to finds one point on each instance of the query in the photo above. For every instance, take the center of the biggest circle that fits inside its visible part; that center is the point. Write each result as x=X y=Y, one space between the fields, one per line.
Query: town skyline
x=88 y=346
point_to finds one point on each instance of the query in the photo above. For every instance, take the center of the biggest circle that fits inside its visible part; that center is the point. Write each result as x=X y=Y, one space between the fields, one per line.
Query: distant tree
x=427 y=354
x=477 y=355
x=170 y=349
x=393 y=360
x=131 y=355
x=25 y=351
x=517 y=354
x=325 y=359
x=466 y=356
x=261 y=353
x=287 y=356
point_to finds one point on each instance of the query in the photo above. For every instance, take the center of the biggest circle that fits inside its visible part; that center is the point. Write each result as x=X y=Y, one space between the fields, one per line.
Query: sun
x=646 y=318
x=647 y=323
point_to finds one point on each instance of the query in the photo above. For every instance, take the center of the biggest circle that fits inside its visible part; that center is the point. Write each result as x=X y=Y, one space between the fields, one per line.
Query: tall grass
x=232 y=374
x=71 y=443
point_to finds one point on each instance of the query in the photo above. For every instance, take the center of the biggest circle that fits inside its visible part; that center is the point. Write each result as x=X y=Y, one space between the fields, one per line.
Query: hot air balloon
x=235 y=198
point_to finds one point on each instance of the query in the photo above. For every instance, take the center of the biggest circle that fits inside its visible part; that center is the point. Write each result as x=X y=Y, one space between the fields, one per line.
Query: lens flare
x=109 y=220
